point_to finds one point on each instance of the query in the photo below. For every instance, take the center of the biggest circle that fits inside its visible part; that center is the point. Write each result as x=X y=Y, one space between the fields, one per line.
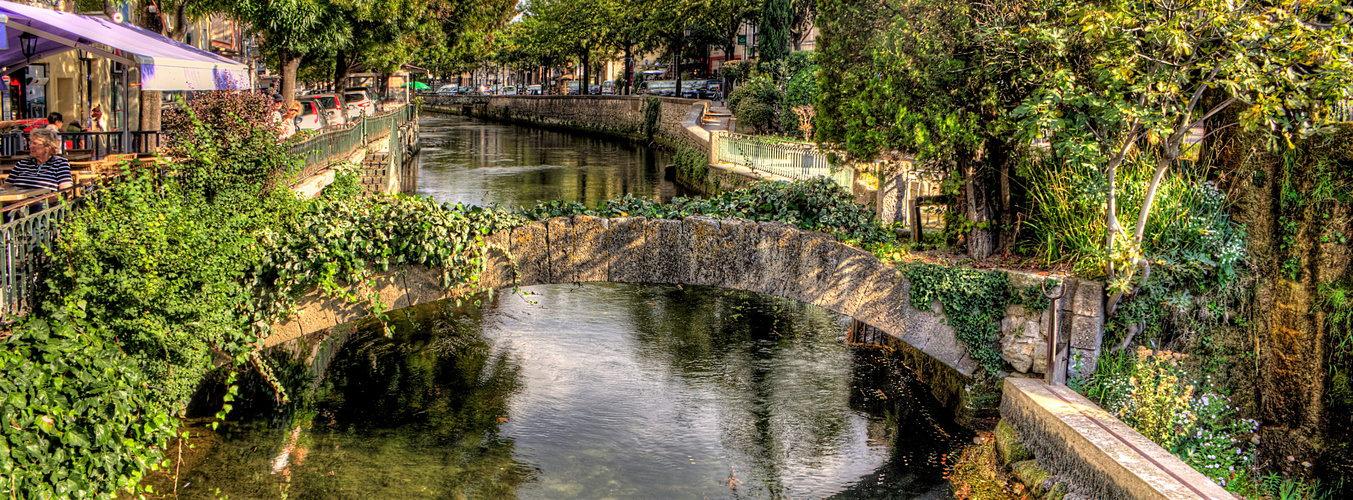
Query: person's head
x=294 y=109
x=43 y=143
x=56 y=118
x=277 y=101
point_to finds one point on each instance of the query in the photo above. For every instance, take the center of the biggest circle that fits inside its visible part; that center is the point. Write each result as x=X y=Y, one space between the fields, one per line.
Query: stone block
x=778 y=257
x=872 y=283
x=1009 y=446
x=702 y=240
x=663 y=243
x=629 y=259
x=1089 y=299
x=1020 y=344
x=1032 y=475
x=842 y=279
x=530 y=247
x=562 y=239
x=1086 y=332
x=817 y=265
x=498 y=271
x=421 y=285
x=591 y=256
x=946 y=348
x=741 y=240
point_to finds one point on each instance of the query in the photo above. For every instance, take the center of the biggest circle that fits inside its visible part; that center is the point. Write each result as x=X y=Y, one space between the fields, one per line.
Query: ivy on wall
x=973 y=302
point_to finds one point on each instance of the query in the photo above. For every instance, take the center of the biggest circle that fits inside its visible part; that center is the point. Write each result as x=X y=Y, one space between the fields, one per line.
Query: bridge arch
x=763 y=257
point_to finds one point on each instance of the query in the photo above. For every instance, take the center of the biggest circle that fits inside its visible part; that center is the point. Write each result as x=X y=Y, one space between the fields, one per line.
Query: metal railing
x=98 y=144
x=337 y=144
x=795 y=160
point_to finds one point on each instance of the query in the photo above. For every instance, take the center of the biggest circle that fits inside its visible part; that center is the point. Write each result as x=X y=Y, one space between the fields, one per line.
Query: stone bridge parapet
x=762 y=257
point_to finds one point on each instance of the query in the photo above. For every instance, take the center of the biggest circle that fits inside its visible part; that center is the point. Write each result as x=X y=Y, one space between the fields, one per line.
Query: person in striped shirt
x=43 y=169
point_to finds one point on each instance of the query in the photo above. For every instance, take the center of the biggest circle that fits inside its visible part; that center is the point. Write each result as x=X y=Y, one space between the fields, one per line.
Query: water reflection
x=602 y=391
x=480 y=163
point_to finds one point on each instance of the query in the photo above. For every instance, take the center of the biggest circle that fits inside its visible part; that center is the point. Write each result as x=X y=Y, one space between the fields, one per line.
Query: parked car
x=358 y=104
x=666 y=88
x=571 y=87
x=608 y=87
x=713 y=90
x=533 y=90
x=328 y=103
x=690 y=89
x=446 y=89
x=311 y=117
x=508 y=90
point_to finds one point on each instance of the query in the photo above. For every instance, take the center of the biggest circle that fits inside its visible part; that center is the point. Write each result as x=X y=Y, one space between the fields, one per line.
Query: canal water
x=589 y=391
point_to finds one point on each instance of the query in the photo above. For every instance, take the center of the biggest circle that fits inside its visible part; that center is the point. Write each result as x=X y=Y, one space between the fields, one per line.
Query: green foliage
x=775 y=21
x=818 y=204
x=1158 y=403
x=226 y=146
x=1151 y=392
x=1197 y=251
x=691 y=163
x=79 y=420
x=1283 y=487
x=347 y=184
x=652 y=112
x=164 y=272
x=338 y=245
x=1214 y=445
x=757 y=104
x=973 y=302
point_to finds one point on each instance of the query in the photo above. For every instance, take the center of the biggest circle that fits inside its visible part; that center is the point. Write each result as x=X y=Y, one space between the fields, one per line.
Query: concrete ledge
x=1102 y=456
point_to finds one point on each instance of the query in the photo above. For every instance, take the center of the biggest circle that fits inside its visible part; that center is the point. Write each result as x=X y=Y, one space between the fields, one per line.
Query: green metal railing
x=337 y=144
x=795 y=160
x=29 y=226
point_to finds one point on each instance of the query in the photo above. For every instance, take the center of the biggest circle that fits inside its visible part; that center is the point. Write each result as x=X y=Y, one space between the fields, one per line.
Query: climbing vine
x=973 y=302
x=652 y=112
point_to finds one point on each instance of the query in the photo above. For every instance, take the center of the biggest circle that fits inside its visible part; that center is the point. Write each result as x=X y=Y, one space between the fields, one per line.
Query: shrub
x=1158 y=404
x=691 y=163
x=79 y=419
x=226 y=144
x=816 y=204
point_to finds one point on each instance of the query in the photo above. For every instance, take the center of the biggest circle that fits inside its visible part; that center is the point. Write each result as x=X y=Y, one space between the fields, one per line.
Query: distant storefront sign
x=742 y=39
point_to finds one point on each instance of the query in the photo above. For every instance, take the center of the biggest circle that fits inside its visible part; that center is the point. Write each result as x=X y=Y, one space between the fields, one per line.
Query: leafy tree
x=777 y=18
x=724 y=18
x=577 y=28
x=291 y=29
x=803 y=13
x=1125 y=79
x=911 y=78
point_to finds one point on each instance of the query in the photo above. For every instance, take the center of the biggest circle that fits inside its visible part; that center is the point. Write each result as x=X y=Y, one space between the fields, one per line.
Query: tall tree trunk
x=585 y=85
x=290 y=63
x=629 y=68
x=341 y=71
x=977 y=207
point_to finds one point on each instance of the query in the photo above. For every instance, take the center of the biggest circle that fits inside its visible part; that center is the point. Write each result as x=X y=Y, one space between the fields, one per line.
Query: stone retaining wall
x=678 y=121
x=1101 y=456
x=762 y=257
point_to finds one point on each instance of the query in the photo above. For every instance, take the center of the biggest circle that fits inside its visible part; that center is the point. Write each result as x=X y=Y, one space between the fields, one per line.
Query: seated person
x=56 y=122
x=43 y=169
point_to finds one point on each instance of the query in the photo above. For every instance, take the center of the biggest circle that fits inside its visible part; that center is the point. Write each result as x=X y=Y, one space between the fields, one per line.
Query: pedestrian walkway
x=717 y=118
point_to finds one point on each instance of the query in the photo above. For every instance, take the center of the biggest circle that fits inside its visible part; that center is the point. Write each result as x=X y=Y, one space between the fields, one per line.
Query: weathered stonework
x=762 y=257
x=678 y=119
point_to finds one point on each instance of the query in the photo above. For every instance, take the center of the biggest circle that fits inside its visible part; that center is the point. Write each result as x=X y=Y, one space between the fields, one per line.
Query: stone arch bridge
x=770 y=258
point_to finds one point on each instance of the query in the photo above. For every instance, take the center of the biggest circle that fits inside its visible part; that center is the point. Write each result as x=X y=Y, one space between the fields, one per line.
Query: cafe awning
x=165 y=64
